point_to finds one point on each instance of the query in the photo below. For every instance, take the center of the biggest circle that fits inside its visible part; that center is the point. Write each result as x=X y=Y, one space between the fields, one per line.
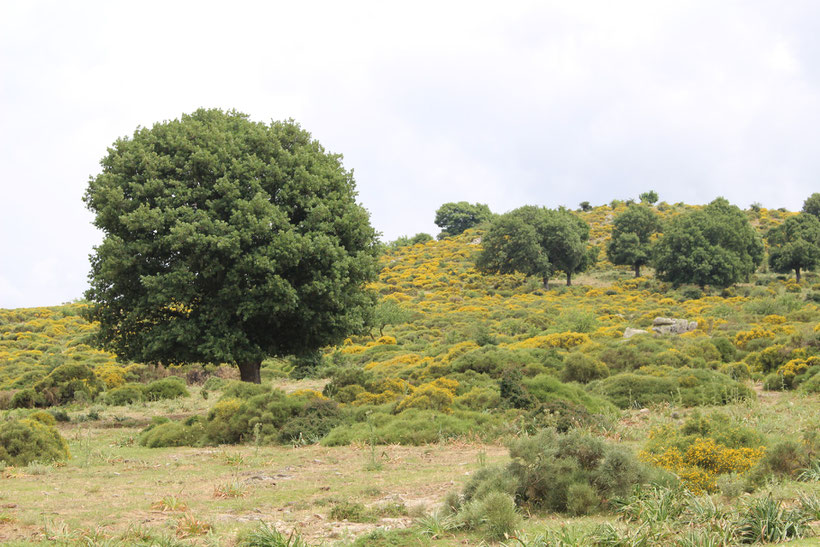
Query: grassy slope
x=452 y=309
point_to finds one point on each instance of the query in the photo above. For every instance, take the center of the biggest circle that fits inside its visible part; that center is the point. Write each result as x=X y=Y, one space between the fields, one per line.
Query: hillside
x=461 y=357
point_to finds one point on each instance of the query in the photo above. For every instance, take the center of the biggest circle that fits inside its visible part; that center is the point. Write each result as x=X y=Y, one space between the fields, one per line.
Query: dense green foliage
x=537 y=241
x=228 y=241
x=454 y=218
x=30 y=440
x=685 y=386
x=812 y=205
x=795 y=244
x=714 y=245
x=630 y=243
x=573 y=472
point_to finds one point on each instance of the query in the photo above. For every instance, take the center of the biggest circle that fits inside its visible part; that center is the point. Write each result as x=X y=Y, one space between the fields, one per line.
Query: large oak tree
x=714 y=245
x=228 y=241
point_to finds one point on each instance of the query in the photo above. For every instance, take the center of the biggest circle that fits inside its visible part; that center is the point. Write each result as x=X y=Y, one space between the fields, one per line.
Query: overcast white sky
x=513 y=103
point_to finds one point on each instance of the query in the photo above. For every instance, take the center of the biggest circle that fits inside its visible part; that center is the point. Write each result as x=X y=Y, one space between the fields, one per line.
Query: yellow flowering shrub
x=435 y=395
x=563 y=340
x=310 y=394
x=744 y=337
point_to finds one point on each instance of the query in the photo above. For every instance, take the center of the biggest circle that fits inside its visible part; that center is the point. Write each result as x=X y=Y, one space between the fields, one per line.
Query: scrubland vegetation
x=480 y=407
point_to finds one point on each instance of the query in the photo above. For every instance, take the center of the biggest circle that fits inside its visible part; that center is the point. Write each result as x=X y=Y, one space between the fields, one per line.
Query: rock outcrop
x=667 y=325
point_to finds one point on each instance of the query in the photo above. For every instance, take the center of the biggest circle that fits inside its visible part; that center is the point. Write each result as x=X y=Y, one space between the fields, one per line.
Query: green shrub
x=479 y=398
x=774 y=382
x=546 y=388
x=787 y=458
x=513 y=394
x=27 y=398
x=165 y=388
x=25 y=441
x=413 y=427
x=547 y=467
x=726 y=348
x=490 y=479
x=214 y=383
x=124 y=395
x=812 y=385
x=243 y=391
x=172 y=434
x=579 y=367
x=350 y=511
x=43 y=417
x=559 y=414
x=498 y=515
x=312 y=422
x=343 y=377
x=736 y=371
x=67 y=383
x=654 y=385
x=582 y=499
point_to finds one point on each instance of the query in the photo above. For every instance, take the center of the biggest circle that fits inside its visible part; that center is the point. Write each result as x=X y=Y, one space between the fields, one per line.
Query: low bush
x=165 y=388
x=579 y=367
x=124 y=395
x=685 y=386
x=494 y=515
x=27 y=398
x=559 y=414
x=545 y=388
x=548 y=468
x=30 y=440
x=67 y=383
x=172 y=434
x=414 y=427
x=243 y=391
x=703 y=449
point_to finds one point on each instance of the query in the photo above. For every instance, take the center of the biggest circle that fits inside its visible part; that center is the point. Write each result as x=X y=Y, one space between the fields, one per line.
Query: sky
x=509 y=104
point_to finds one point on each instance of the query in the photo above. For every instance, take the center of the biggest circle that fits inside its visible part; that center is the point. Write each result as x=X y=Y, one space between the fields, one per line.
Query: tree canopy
x=714 y=245
x=812 y=205
x=630 y=243
x=537 y=241
x=511 y=245
x=795 y=244
x=649 y=197
x=454 y=218
x=227 y=240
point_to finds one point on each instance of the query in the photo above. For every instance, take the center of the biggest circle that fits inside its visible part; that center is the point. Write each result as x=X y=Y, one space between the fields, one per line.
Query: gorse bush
x=31 y=440
x=704 y=448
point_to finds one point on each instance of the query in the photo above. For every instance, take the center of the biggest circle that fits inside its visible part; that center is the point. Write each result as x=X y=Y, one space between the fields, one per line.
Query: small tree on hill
x=795 y=244
x=511 y=245
x=454 y=218
x=714 y=245
x=227 y=241
x=630 y=243
x=649 y=197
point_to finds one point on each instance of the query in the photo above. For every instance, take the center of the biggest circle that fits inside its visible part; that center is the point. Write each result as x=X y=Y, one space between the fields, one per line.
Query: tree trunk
x=569 y=279
x=546 y=283
x=797 y=273
x=250 y=372
x=637 y=270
